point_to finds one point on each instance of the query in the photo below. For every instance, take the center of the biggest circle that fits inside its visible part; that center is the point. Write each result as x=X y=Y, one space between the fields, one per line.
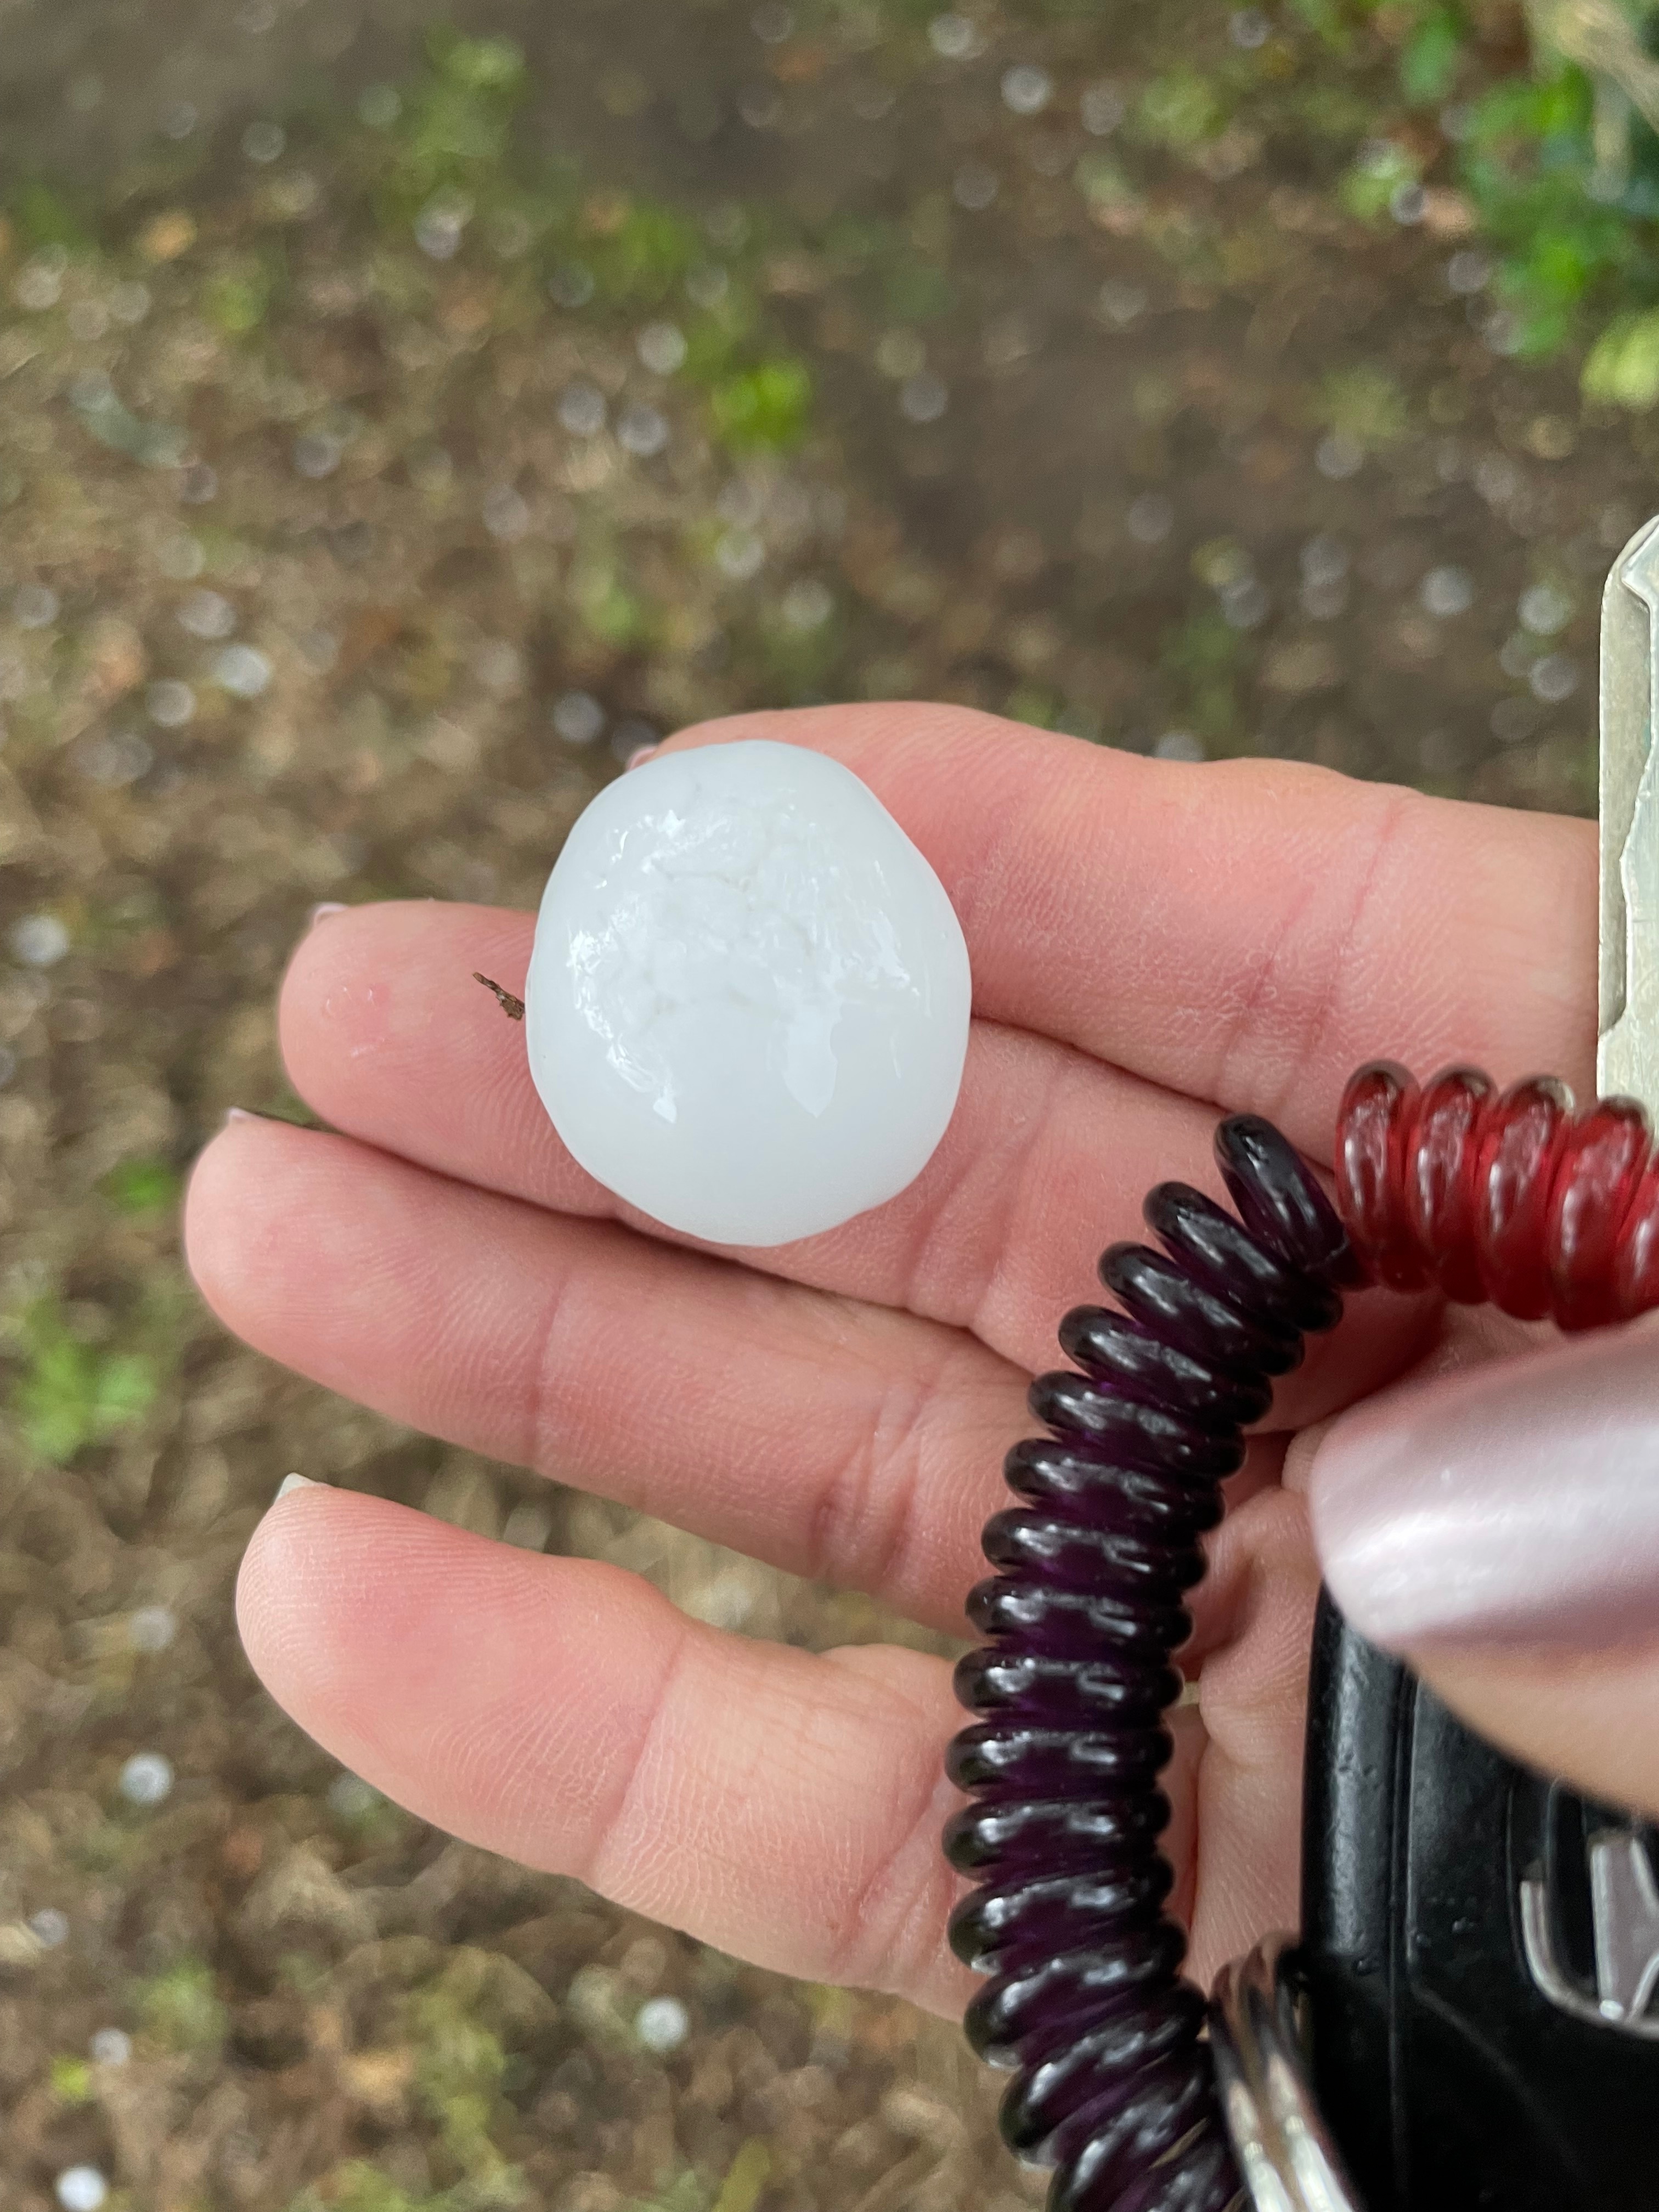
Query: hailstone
x=748 y=1001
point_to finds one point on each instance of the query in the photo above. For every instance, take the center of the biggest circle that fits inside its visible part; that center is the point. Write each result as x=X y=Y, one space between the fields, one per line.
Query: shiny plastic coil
x=1085 y=2001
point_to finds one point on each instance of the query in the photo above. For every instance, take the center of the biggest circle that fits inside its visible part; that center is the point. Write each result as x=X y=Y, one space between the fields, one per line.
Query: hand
x=1151 y=944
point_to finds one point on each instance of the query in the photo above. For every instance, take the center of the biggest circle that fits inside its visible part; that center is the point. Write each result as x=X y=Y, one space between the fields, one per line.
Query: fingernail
x=321 y=913
x=1514 y=1502
x=296 y=1482
x=639 y=753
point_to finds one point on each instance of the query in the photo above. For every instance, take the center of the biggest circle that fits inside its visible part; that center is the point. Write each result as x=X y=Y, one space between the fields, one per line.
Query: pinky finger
x=783 y=1806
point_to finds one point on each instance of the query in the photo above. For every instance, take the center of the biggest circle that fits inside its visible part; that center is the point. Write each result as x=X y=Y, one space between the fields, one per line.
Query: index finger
x=1245 y=932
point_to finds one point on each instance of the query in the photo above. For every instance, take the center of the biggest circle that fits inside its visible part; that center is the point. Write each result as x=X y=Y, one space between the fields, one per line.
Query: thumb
x=1499 y=1528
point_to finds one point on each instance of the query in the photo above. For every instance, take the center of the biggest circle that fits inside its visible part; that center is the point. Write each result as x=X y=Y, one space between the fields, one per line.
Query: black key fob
x=1479 y=1960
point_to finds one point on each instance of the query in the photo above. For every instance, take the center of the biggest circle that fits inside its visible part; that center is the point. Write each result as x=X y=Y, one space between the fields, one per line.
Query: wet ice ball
x=747 y=1006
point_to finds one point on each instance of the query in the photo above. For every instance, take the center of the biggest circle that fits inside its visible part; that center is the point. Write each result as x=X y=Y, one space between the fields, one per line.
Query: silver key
x=1627 y=1056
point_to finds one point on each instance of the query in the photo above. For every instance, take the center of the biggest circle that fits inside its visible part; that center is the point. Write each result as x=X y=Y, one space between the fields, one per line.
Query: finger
x=1046 y=1160
x=830 y=1438
x=784 y=1806
x=1499 y=1526
x=1247 y=932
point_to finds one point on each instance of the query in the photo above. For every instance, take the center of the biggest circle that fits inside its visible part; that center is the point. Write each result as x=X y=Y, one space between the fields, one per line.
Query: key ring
x=1515 y=1200
x=1284 y=2150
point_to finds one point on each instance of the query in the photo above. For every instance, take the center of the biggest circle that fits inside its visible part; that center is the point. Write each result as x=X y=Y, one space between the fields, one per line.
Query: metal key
x=1475 y=1997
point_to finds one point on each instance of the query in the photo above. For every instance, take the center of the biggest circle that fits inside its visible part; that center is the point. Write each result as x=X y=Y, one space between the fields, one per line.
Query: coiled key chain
x=1478 y=1947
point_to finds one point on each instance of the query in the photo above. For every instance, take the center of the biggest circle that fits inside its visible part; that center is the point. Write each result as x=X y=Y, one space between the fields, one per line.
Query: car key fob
x=1479 y=1960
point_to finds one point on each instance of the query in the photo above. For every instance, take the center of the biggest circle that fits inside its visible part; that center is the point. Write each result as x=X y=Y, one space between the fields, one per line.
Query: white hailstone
x=1026 y=88
x=1151 y=518
x=924 y=398
x=183 y=557
x=1553 y=678
x=264 y=142
x=747 y=1006
x=900 y=354
x=1120 y=304
x=147 y=1778
x=39 y=286
x=662 y=2024
x=1178 y=745
x=317 y=455
x=578 y=717
x=34 y=606
x=1244 y=603
x=661 y=347
x=975 y=187
x=1543 y=610
x=1337 y=455
x=208 y=615
x=439 y=228
x=506 y=513
x=642 y=431
x=953 y=36
x=1324 y=560
x=80 y=2189
x=111 y=2047
x=808 y=604
x=1102 y=108
x=129 y=302
x=38 y=940
x=499 y=666
x=739 y=554
x=1447 y=591
x=1467 y=272
x=242 y=670
x=582 y=411
x=151 y=1628
x=50 y=1928
x=352 y=1798
x=1249 y=29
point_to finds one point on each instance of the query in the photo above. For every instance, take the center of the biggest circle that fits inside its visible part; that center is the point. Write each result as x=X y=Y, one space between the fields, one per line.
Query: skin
x=1152 y=943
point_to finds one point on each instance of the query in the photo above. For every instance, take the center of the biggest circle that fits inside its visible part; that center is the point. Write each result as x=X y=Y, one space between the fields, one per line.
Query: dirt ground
x=347 y=544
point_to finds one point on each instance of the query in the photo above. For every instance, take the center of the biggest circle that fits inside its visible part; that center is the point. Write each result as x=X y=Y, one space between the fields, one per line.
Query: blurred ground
x=374 y=474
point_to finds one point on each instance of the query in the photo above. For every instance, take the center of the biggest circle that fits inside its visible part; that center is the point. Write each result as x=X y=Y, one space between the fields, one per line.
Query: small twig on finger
x=512 y=1007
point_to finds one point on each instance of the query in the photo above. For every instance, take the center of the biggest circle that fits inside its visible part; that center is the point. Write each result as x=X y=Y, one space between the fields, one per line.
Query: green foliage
x=1432 y=56
x=357 y=2186
x=458 y=2071
x=71 y=2081
x=1623 y=367
x=71 y=1394
x=767 y=407
x=237 y=297
x=44 y=217
x=142 y=1186
x=745 y=2178
x=686 y=2192
x=1202 y=657
x=1363 y=402
x=180 y=2008
x=1179 y=110
x=644 y=256
x=1368 y=188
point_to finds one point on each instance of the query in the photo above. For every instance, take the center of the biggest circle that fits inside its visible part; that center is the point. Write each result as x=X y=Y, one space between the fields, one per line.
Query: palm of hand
x=1151 y=944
